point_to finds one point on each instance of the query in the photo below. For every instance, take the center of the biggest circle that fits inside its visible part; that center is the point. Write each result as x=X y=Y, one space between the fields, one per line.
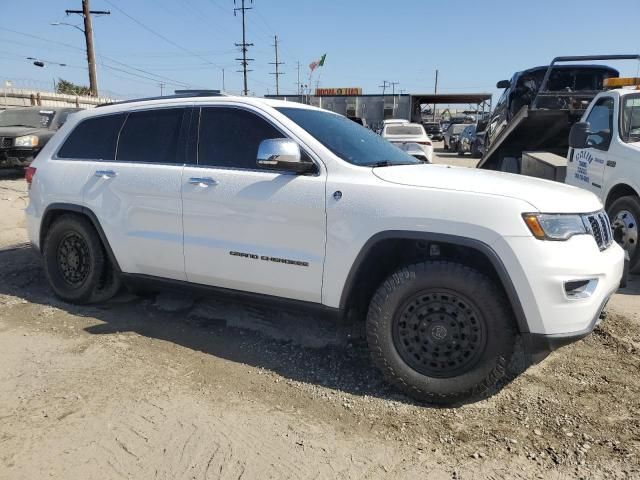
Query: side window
x=601 y=124
x=151 y=136
x=93 y=139
x=229 y=137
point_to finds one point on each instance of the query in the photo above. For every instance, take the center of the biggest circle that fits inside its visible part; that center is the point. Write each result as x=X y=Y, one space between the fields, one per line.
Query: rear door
x=136 y=196
x=247 y=228
x=587 y=164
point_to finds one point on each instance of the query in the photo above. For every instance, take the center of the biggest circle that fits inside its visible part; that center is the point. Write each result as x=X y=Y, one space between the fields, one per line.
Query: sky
x=188 y=43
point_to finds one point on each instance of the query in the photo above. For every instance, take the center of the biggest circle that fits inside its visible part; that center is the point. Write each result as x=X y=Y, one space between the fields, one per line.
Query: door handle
x=105 y=173
x=203 y=181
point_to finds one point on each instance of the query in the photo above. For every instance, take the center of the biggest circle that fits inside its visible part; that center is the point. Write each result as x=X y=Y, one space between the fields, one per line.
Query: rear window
x=94 y=138
x=457 y=127
x=404 y=130
x=151 y=136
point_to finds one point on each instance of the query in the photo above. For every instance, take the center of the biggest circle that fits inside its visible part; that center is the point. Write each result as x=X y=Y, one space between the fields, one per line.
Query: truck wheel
x=441 y=332
x=110 y=283
x=74 y=259
x=624 y=214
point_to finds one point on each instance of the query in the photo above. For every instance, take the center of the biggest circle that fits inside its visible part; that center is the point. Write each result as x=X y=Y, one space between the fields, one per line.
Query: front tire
x=74 y=259
x=624 y=214
x=441 y=332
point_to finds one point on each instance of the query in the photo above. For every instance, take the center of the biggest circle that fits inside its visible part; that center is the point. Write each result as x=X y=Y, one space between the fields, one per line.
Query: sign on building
x=337 y=92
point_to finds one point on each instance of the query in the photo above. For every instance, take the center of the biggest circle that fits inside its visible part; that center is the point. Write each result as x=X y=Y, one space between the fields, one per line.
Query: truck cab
x=604 y=157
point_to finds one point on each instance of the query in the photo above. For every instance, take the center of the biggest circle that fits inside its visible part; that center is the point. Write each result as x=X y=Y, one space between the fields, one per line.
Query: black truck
x=24 y=131
x=538 y=108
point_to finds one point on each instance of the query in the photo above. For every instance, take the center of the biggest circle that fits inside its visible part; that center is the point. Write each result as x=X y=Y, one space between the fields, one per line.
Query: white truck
x=277 y=201
x=604 y=158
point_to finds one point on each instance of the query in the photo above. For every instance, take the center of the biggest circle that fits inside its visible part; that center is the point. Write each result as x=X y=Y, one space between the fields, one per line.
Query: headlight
x=554 y=227
x=26 y=141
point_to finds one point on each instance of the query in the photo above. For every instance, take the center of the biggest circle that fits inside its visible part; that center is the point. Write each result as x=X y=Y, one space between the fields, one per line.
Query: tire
x=74 y=259
x=109 y=285
x=624 y=214
x=460 y=152
x=481 y=344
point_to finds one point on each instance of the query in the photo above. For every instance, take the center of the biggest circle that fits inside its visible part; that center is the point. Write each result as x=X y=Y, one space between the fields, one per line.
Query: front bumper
x=540 y=271
x=17 y=157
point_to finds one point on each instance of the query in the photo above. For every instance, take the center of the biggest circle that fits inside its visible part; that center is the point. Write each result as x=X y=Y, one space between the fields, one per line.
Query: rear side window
x=94 y=138
x=229 y=137
x=151 y=136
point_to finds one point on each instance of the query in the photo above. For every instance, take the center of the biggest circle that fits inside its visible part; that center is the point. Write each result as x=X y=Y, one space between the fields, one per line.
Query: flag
x=317 y=63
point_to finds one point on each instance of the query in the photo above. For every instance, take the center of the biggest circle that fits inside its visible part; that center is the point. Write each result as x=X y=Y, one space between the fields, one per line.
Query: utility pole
x=298 y=82
x=277 y=73
x=384 y=85
x=435 y=91
x=161 y=85
x=393 y=95
x=223 y=89
x=244 y=61
x=86 y=12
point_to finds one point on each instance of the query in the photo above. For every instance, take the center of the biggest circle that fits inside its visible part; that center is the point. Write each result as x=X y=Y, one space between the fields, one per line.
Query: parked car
x=466 y=139
x=434 y=130
x=416 y=151
x=452 y=134
x=446 y=269
x=401 y=133
x=24 y=131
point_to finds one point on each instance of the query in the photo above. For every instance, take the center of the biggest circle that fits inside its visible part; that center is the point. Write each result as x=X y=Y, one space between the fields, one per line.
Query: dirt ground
x=179 y=387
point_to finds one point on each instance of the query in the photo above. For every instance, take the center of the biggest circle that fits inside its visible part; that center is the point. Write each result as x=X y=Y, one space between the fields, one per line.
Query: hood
x=18 y=131
x=544 y=195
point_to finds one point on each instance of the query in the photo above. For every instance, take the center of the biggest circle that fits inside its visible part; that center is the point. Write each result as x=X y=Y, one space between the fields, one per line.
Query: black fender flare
x=473 y=243
x=87 y=212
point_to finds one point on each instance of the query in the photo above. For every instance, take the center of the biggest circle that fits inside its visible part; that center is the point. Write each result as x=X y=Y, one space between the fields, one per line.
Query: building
x=374 y=108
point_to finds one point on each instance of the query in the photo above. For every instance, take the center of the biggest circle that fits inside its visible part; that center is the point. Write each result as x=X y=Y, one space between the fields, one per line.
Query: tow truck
x=604 y=157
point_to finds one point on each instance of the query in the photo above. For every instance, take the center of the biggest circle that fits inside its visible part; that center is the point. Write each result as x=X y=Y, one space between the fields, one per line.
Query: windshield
x=18 y=117
x=348 y=140
x=631 y=118
x=404 y=130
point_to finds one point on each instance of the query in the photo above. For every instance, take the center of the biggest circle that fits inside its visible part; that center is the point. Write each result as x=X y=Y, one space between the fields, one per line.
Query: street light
x=41 y=63
x=55 y=24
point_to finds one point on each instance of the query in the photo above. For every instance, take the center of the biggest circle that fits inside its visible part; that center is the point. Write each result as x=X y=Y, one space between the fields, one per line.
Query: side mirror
x=282 y=154
x=503 y=84
x=579 y=134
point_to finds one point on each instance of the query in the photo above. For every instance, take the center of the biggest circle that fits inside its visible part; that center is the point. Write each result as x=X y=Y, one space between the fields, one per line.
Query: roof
x=570 y=67
x=451 y=97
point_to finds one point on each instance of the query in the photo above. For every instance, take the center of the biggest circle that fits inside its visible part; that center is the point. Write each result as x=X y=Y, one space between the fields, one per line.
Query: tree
x=69 y=88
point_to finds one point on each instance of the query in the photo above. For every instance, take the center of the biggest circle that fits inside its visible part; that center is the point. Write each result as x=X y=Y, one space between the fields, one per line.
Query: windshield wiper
x=387 y=163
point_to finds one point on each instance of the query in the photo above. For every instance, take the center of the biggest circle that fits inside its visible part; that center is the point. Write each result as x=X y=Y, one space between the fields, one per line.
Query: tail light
x=424 y=143
x=29 y=173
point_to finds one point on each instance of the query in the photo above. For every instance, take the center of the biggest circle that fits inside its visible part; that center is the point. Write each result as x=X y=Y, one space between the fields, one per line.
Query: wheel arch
x=618 y=191
x=56 y=210
x=372 y=249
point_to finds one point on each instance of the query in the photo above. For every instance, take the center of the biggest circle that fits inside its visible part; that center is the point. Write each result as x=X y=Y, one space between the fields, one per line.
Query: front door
x=246 y=228
x=589 y=163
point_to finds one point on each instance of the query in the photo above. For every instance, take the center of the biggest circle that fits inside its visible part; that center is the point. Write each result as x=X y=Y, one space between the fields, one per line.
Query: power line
x=277 y=64
x=244 y=61
x=159 y=35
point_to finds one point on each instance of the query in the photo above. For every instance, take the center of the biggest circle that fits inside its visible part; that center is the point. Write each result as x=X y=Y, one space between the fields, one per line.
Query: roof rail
x=178 y=94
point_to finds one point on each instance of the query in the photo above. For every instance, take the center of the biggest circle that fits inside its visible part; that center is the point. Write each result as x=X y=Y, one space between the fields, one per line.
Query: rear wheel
x=624 y=214
x=441 y=332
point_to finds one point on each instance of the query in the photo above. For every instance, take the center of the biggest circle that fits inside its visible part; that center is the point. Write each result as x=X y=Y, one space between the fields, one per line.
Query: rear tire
x=74 y=259
x=441 y=332
x=624 y=214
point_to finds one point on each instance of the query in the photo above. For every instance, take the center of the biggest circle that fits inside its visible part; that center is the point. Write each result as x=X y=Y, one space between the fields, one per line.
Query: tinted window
x=229 y=137
x=600 y=119
x=404 y=130
x=346 y=139
x=94 y=138
x=151 y=136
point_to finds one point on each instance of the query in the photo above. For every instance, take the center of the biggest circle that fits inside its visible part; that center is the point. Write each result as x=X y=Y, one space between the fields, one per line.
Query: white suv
x=445 y=267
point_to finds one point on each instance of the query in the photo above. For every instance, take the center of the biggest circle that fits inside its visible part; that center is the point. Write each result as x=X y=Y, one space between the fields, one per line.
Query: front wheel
x=441 y=332
x=624 y=214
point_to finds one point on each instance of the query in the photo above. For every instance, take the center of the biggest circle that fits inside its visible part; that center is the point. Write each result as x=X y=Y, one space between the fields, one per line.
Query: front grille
x=598 y=225
x=6 y=142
